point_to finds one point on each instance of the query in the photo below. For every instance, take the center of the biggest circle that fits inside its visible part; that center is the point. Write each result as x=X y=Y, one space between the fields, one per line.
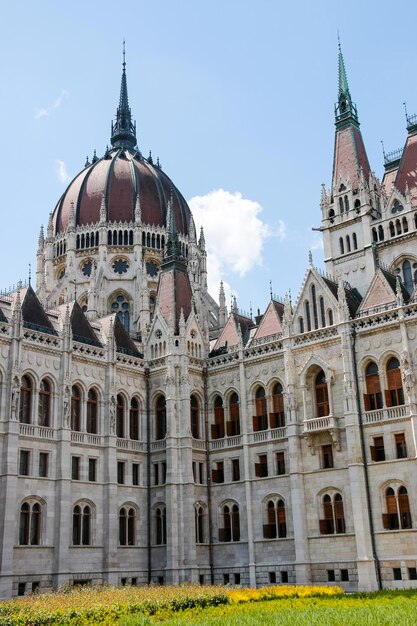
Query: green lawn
x=386 y=608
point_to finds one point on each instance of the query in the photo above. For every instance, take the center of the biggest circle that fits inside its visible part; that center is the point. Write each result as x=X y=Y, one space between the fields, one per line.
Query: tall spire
x=123 y=130
x=345 y=111
x=173 y=247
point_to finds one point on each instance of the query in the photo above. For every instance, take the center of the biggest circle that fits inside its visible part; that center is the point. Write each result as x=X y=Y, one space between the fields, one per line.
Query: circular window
x=86 y=268
x=120 y=266
x=151 y=269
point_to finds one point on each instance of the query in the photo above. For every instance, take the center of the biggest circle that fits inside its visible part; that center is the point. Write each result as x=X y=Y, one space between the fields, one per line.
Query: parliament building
x=149 y=434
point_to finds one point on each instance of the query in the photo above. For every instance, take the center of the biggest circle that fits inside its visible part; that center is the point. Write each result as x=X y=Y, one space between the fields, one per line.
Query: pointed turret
x=222 y=307
x=349 y=154
x=123 y=130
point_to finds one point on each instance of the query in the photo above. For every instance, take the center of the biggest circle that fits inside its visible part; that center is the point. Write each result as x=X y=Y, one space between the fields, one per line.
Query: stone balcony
x=386 y=414
x=315 y=425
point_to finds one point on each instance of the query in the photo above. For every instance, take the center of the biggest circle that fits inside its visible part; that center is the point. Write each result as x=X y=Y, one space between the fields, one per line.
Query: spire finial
x=270 y=288
x=30 y=273
x=123 y=130
x=383 y=150
x=345 y=110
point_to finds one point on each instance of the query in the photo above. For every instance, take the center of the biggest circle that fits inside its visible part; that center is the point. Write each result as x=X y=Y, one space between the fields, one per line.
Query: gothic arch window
x=322 y=396
x=276 y=523
x=394 y=395
x=374 y=235
x=354 y=241
x=314 y=303
x=398 y=227
x=199 y=517
x=333 y=516
x=120 y=306
x=301 y=324
x=233 y=424
x=260 y=419
x=392 y=229
x=160 y=525
x=75 y=408
x=277 y=417
x=230 y=517
x=341 y=206
x=81 y=525
x=357 y=205
x=380 y=233
x=407 y=276
x=127 y=526
x=308 y=317
x=346 y=204
x=373 y=396
x=44 y=403
x=217 y=429
x=398 y=513
x=30 y=524
x=92 y=411
x=341 y=245
x=405 y=224
x=195 y=417
x=347 y=243
x=134 y=419
x=120 y=416
x=26 y=394
x=322 y=312
x=160 y=417
x=330 y=317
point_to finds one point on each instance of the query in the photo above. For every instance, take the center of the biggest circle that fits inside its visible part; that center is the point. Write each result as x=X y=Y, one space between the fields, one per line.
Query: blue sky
x=235 y=97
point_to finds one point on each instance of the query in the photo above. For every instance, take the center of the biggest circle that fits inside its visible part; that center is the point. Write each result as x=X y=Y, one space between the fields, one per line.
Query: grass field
x=176 y=606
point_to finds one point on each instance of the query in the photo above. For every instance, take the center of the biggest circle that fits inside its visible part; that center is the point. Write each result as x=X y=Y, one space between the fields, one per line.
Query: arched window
x=380 y=233
x=92 y=411
x=260 y=420
x=217 y=429
x=392 y=229
x=346 y=204
x=333 y=520
x=25 y=407
x=348 y=243
x=322 y=396
x=373 y=396
x=395 y=393
x=81 y=525
x=398 y=509
x=308 y=317
x=330 y=316
x=233 y=425
x=75 y=408
x=322 y=312
x=127 y=526
x=120 y=416
x=398 y=227
x=120 y=306
x=44 y=403
x=405 y=225
x=231 y=523
x=314 y=302
x=276 y=525
x=407 y=276
x=341 y=245
x=161 y=419
x=134 y=419
x=277 y=417
x=160 y=526
x=301 y=324
x=341 y=207
x=30 y=524
x=195 y=417
x=355 y=241
x=199 y=523
x=374 y=235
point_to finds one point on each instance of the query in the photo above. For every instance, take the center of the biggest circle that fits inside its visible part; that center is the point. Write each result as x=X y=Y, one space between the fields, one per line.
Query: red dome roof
x=119 y=176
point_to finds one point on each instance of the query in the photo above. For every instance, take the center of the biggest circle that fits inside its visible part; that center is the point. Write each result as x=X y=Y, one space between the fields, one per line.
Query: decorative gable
x=380 y=293
x=271 y=321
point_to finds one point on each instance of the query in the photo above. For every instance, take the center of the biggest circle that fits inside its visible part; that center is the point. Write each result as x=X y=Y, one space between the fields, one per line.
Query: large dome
x=119 y=177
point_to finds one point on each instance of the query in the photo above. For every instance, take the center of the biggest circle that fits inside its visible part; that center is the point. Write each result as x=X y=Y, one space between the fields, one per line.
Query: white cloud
x=46 y=111
x=61 y=171
x=234 y=234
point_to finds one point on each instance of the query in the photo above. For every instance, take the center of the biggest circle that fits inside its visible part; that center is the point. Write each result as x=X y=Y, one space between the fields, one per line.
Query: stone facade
x=181 y=443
